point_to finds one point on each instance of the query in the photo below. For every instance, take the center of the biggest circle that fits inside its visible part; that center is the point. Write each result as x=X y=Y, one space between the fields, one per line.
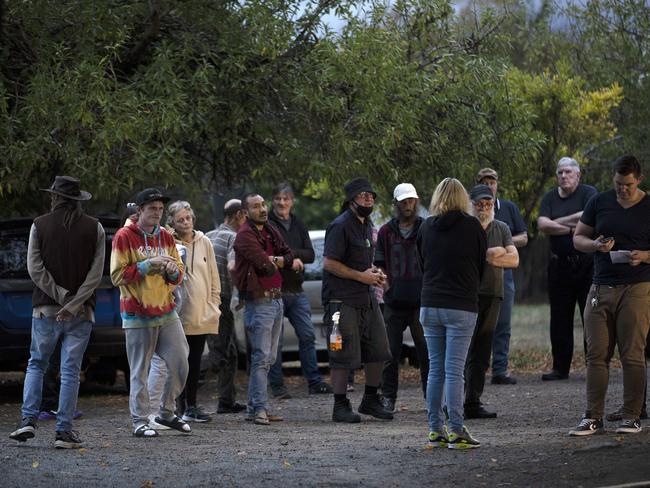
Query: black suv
x=106 y=351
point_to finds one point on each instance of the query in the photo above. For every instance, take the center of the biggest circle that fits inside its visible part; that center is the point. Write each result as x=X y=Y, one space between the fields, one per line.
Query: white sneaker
x=155 y=425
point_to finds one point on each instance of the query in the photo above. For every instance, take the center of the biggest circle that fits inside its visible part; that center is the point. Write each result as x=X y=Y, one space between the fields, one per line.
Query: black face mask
x=363 y=211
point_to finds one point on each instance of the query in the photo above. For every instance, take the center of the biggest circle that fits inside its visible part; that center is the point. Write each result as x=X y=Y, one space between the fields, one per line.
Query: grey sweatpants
x=156 y=383
x=168 y=342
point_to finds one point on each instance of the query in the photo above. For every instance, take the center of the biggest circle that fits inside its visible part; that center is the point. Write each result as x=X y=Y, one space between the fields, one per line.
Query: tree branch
x=135 y=56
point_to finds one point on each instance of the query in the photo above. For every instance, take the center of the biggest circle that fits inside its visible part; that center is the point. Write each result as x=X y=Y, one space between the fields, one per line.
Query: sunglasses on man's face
x=484 y=204
x=365 y=195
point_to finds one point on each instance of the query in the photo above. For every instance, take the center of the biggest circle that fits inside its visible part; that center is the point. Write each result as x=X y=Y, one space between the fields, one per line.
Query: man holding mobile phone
x=618 y=305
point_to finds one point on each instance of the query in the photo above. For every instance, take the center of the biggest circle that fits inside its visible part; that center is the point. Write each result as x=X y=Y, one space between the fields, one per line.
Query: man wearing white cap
x=396 y=254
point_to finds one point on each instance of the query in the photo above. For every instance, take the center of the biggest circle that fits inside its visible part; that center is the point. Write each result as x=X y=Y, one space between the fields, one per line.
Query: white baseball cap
x=404 y=191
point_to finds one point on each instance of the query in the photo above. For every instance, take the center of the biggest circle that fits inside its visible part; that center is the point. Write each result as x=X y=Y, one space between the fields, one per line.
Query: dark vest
x=67 y=255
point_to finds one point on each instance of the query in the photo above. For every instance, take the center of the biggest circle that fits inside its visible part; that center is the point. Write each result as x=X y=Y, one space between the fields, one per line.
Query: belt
x=572 y=258
x=273 y=293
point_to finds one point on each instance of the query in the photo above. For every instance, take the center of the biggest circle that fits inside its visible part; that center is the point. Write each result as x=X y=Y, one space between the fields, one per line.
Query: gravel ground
x=526 y=445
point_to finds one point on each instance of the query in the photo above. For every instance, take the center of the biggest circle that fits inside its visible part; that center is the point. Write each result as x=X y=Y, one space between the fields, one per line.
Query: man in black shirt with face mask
x=348 y=275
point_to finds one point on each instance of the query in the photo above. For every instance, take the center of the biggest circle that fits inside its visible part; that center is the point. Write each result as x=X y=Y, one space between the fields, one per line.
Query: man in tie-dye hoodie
x=146 y=266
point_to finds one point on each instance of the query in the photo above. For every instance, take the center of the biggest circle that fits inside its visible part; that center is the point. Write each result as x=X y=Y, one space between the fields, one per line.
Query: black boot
x=343 y=412
x=371 y=405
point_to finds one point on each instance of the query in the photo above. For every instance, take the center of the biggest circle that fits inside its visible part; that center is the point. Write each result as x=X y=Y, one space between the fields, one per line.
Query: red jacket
x=251 y=260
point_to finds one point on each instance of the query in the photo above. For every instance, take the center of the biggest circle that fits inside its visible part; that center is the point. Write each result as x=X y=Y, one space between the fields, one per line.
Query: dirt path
x=526 y=445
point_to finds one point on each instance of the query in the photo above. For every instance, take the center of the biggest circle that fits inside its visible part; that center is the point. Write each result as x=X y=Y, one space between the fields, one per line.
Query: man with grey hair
x=569 y=270
x=294 y=298
x=223 y=348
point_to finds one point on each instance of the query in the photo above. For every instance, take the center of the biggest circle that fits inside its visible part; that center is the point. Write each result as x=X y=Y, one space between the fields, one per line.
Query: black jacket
x=297 y=238
x=398 y=257
x=451 y=251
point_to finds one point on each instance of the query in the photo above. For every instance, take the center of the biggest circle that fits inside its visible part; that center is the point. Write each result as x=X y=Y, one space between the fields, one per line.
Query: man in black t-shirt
x=569 y=270
x=615 y=226
x=348 y=275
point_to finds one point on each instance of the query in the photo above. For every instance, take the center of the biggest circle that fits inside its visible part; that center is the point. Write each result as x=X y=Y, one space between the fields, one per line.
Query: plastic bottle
x=336 y=339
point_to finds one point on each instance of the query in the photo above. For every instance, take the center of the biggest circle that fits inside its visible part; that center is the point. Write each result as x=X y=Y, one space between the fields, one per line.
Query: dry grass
x=530 y=344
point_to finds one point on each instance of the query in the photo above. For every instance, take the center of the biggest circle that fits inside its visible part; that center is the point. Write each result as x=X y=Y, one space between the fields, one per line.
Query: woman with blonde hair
x=451 y=249
x=200 y=311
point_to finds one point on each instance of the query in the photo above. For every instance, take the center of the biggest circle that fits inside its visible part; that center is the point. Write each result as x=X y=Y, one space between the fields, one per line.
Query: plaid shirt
x=223 y=241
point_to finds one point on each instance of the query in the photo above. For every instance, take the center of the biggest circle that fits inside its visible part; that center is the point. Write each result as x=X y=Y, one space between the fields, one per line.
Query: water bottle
x=336 y=339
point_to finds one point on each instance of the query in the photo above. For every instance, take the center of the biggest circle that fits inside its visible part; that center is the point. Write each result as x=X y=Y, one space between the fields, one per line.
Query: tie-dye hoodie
x=146 y=298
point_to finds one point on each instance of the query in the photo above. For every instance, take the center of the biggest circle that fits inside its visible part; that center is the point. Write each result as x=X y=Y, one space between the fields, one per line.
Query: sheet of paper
x=619 y=257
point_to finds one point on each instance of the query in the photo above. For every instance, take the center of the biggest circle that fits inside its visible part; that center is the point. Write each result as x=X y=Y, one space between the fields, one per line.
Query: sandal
x=175 y=423
x=145 y=430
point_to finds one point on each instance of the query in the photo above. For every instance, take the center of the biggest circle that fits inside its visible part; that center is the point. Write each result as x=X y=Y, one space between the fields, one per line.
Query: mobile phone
x=606 y=239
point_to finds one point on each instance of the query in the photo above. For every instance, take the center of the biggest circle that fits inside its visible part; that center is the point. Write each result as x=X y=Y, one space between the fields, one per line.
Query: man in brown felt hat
x=65 y=259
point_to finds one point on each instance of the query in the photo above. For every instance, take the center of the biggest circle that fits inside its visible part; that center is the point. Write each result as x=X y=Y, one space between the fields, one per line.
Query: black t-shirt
x=554 y=206
x=349 y=241
x=630 y=228
x=506 y=211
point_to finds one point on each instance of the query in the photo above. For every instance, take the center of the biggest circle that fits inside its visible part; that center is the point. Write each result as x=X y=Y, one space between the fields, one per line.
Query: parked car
x=312 y=286
x=106 y=350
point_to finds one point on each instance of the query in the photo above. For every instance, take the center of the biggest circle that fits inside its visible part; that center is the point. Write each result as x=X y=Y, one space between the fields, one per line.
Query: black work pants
x=397 y=320
x=480 y=349
x=223 y=353
x=569 y=280
x=197 y=344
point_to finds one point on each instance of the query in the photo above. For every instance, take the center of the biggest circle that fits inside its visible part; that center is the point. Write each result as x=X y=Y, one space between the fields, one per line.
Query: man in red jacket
x=260 y=252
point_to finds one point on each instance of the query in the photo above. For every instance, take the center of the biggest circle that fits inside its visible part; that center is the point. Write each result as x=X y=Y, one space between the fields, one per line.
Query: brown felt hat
x=68 y=187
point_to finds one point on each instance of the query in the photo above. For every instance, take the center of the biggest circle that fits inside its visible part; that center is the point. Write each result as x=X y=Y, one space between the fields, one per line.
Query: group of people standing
x=447 y=277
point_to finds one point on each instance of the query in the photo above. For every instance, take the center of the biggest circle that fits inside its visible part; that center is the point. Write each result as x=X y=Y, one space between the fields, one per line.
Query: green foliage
x=208 y=97
x=566 y=118
x=612 y=41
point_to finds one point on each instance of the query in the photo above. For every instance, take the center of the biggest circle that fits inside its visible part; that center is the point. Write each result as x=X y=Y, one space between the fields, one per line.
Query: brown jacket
x=251 y=260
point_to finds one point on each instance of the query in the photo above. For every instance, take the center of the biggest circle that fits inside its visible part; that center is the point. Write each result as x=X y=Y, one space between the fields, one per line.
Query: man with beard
x=506 y=211
x=349 y=301
x=396 y=253
x=260 y=253
x=501 y=254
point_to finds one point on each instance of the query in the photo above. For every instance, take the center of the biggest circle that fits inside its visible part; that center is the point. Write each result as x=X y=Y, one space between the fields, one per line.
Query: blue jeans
x=502 y=332
x=298 y=311
x=448 y=334
x=46 y=332
x=263 y=322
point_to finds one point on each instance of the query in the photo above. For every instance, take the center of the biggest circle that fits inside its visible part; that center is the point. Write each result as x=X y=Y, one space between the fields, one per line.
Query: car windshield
x=13 y=254
x=314 y=271
x=14 y=239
